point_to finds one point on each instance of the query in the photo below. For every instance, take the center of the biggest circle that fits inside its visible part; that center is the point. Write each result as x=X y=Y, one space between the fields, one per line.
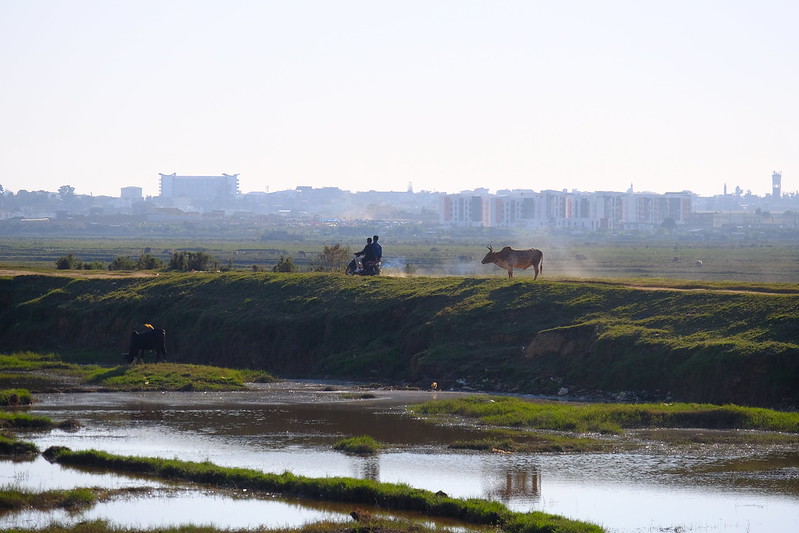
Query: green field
x=564 y=257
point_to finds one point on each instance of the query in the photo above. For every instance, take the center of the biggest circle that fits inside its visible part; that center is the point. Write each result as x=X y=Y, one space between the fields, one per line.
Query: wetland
x=641 y=480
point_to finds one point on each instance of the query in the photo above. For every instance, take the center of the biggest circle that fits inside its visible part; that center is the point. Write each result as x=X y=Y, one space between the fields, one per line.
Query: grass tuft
x=361 y=445
x=15 y=397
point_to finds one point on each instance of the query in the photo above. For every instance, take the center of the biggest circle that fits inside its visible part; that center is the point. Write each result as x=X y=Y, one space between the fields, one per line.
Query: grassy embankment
x=357 y=491
x=701 y=342
x=48 y=372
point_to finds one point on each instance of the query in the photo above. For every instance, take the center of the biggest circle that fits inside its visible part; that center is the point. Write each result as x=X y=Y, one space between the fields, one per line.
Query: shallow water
x=292 y=426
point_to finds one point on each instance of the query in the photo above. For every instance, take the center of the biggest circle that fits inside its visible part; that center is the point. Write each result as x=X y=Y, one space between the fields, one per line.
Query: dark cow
x=508 y=258
x=150 y=339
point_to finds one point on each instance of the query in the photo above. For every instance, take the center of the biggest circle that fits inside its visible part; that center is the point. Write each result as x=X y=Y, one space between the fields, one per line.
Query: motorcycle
x=356 y=267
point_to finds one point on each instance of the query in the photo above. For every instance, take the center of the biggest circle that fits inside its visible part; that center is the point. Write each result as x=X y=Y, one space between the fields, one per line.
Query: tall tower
x=776 y=184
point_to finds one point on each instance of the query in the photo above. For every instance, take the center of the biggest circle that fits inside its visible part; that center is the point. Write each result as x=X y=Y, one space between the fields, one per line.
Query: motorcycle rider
x=368 y=245
x=378 y=249
x=370 y=256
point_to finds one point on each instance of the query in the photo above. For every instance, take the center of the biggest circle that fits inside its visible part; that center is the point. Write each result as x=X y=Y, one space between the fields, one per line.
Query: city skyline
x=446 y=96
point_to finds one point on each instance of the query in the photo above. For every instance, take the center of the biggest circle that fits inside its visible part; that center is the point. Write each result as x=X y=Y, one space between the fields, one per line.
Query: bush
x=122 y=262
x=188 y=261
x=286 y=264
x=331 y=259
x=94 y=265
x=148 y=262
x=67 y=262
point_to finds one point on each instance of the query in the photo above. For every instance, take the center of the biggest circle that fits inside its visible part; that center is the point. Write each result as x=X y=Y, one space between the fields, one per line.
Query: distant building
x=199 y=188
x=776 y=184
x=588 y=211
x=131 y=193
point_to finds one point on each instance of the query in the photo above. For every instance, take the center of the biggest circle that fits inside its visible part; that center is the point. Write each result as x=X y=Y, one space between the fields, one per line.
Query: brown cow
x=508 y=258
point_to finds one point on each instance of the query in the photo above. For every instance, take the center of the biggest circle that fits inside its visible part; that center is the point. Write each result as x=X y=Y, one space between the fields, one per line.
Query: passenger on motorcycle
x=369 y=264
x=378 y=250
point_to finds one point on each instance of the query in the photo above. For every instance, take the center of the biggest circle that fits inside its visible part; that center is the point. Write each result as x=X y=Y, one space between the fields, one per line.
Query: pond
x=291 y=426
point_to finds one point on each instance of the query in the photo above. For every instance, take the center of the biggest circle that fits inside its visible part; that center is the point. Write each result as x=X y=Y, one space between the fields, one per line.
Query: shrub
x=122 y=262
x=67 y=262
x=188 y=261
x=94 y=265
x=148 y=262
x=286 y=264
x=331 y=259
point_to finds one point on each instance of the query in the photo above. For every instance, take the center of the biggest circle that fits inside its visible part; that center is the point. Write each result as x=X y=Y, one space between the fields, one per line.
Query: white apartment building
x=590 y=211
x=199 y=188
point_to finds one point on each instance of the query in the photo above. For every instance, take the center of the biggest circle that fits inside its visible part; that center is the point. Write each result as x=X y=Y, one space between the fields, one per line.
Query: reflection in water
x=293 y=429
x=516 y=485
x=369 y=468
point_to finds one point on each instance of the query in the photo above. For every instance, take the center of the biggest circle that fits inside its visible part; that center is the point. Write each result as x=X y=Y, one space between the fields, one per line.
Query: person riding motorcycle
x=369 y=260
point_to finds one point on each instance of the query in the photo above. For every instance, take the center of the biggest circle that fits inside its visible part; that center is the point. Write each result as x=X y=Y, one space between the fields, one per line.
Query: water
x=292 y=426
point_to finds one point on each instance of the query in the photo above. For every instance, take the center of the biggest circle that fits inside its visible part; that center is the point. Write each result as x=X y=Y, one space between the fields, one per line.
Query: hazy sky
x=374 y=95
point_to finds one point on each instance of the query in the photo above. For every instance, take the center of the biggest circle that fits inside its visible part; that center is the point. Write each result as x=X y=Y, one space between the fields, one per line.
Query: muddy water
x=292 y=426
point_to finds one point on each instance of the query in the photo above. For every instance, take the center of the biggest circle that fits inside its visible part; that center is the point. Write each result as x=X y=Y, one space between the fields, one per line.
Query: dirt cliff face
x=565 y=341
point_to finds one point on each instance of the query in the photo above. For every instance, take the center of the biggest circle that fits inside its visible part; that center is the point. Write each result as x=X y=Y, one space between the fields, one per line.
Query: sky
x=444 y=96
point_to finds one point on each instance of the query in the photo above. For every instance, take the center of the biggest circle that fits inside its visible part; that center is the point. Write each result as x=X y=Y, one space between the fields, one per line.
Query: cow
x=508 y=258
x=149 y=339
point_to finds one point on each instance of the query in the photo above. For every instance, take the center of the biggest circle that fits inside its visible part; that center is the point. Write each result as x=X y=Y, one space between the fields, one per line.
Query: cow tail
x=541 y=265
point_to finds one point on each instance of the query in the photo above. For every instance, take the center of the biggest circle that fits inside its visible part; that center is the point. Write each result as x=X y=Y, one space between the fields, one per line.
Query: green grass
x=376 y=525
x=12 y=447
x=168 y=376
x=51 y=371
x=15 y=397
x=500 y=440
x=608 y=418
x=15 y=499
x=360 y=445
x=30 y=361
x=389 y=496
x=25 y=421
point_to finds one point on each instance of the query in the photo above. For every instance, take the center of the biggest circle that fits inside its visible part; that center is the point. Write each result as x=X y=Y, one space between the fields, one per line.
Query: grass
x=376 y=525
x=15 y=397
x=500 y=440
x=15 y=499
x=389 y=496
x=360 y=445
x=168 y=376
x=12 y=447
x=608 y=418
x=52 y=373
x=25 y=421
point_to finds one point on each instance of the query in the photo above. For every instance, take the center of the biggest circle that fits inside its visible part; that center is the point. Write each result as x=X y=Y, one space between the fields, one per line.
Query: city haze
x=443 y=96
